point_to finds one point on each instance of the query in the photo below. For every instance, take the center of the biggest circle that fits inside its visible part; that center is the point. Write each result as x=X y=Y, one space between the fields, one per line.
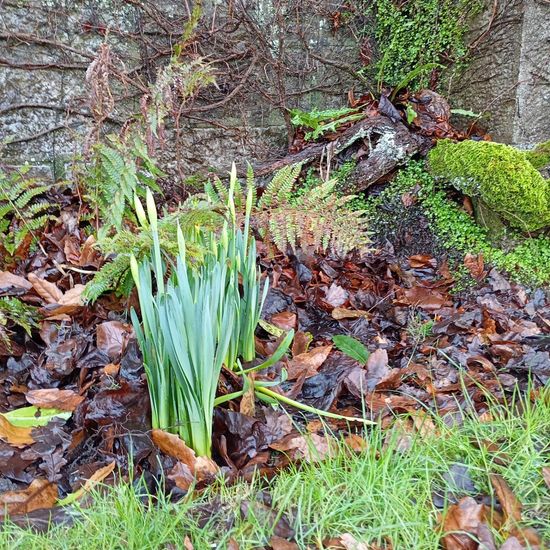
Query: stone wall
x=267 y=59
x=509 y=77
x=265 y=62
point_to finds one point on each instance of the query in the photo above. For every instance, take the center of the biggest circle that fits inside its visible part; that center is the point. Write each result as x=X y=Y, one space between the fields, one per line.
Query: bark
x=388 y=145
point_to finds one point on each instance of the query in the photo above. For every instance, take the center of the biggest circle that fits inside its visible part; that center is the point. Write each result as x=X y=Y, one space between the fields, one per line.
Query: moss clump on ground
x=500 y=176
x=526 y=259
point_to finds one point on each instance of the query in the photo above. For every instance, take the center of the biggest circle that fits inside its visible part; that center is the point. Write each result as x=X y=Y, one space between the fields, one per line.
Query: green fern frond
x=195 y=216
x=118 y=171
x=279 y=190
x=24 y=208
x=14 y=312
x=319 y=220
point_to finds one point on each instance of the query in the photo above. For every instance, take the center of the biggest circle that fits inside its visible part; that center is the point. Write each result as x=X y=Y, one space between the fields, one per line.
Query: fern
x=15 y=312
x=24 y=209
x=116 y=173
x=193 y=216
x=319 y=220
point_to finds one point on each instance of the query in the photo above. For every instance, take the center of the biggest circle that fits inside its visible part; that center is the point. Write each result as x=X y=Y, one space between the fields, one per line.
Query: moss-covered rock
x=539 y=157
x=499 y=175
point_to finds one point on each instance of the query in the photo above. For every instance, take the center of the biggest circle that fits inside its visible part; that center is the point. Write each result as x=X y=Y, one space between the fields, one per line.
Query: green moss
x=500 y=175
x=539 y=157
x=525 y=259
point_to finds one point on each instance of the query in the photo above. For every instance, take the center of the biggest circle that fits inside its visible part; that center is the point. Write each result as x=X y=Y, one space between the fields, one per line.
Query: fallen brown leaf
x=475 y=265
x=73 y=297
x=546 y=476
x=13 y=284
x=422 y=260
x=187 y=544
x=279 y=543
x=311 y=448
x=356 y=443
x=425 y=298
x=201 y=467
x=511 y=507
x=38 y=495
x=336 y=296
x=349 y=542
x=247 y=405
x=462 y=524
x=301 y=342
x=285 y=320
x=14 y=435
x=112 y=337
x=53 y=398
x=340 y=313
x=181 y=475
x=308 y=363
x=46 y=290
x=377 y=367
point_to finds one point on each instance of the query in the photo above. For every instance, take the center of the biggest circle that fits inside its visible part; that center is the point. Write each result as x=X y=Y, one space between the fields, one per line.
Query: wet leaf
x=301 y=342
x=425 y=298
x=279 y=543
x=349 y=542
x=14 y=435
x=97 y=477
x=46 y=290
x=53 y=398
x=311 y=447
x=377 y=367
x=181 y=475
x=31 y=417
x=200 y=466
x=462 y=524
x=339 y=313
x=475 y=265
x=11 y=284
x=113 y=337
x=286 y=320
x=511 y=505
x=38 y=495
x=308 y=363
x=72 y=297
x=336 y=296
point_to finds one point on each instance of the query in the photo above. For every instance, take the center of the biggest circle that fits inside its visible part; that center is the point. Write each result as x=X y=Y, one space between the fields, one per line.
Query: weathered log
x=390 y=144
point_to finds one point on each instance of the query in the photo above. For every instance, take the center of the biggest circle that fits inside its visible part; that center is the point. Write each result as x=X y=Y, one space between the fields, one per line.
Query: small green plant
x=499 y=175
x=14 y=312
x=319 y=123
x=412 y=35
x=419 y=328
x=184 y=335
x=539 y=157
x=24 y=208
x=351 y=347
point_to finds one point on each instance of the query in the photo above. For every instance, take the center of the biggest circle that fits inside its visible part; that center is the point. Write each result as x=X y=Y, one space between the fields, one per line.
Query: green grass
x=381 y=492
